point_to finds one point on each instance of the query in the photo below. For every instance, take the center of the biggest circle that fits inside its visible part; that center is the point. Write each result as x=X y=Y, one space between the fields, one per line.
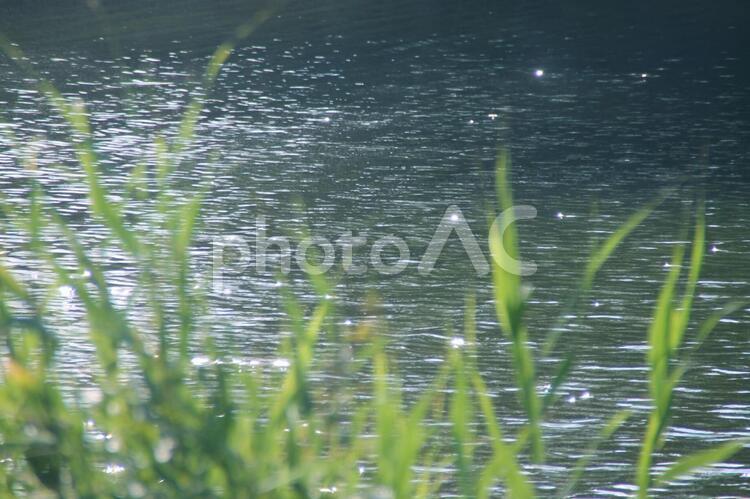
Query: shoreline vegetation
x=171 y=427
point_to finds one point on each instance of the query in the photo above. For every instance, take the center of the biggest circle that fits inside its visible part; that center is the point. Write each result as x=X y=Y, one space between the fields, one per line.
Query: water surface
x=375 y=118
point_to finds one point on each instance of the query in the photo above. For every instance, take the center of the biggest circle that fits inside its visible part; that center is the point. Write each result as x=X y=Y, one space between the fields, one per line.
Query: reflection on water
x=375 y=126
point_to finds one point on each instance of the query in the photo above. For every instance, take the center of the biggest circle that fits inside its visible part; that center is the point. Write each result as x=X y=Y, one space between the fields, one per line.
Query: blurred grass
x=171 y=427
x=667 y=363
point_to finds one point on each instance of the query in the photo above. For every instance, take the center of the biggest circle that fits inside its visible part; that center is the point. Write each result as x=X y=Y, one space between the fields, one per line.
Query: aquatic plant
x=164 y=425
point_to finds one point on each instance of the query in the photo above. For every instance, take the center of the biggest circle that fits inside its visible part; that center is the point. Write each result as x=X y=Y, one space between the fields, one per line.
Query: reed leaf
x=509 y=306
x=701 y=459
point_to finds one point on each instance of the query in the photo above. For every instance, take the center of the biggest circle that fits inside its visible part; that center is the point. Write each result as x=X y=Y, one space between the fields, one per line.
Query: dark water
x=375 y=117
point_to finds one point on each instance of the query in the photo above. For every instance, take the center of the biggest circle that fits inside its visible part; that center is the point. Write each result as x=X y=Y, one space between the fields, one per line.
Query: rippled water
x=376 y=119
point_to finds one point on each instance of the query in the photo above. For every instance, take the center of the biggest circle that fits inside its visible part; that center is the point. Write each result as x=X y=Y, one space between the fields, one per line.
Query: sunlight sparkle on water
x=200 y=361
x=457 y=342
x=539 y=73
x=280 y=363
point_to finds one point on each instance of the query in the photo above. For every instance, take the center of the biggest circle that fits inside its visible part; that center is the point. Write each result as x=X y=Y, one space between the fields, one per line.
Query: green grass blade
x=195 y=107
x=461 y=416
x=605 y=250
x=611 y=426
x=658 y=357
x=707 y=326
x=76 y=116
x=599 y=256
x=10 y=283
x=682 y=316
x=509 y=307
x=701 y=459
x=183 y=237
x=563 y=370
x=504 y=462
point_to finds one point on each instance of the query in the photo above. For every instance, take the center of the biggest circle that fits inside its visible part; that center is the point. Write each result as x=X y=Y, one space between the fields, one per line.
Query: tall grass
x=171 y=428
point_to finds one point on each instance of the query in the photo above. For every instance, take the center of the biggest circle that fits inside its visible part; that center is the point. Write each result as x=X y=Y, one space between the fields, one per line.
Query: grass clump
x=172 y=428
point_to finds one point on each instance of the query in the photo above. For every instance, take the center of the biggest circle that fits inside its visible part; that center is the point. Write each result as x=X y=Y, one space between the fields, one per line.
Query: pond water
x=376 y=118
